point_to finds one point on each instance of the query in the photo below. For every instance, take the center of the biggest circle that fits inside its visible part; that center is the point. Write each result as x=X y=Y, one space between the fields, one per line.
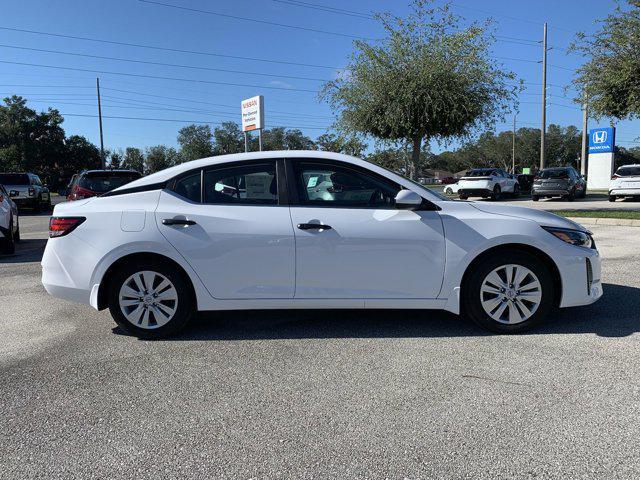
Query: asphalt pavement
x=319 y=394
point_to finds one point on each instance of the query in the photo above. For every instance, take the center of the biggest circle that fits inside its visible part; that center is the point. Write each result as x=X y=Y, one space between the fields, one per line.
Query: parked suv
x=27 y=190
x=487 y=182
x=625 y=183
x=9 y=225
x=562 y=182
x=92 y=183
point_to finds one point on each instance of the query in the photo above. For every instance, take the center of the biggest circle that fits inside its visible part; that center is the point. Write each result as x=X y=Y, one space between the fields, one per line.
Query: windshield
x=481 y=172
x=103 y=182
x=559 y=173
x=629 y=171
x=14 y=179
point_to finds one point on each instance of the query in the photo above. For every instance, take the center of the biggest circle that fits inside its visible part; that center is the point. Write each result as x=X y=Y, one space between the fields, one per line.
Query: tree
x=610 y=78
x=228 y=138
x=390 y=158
x=80 y=154
x=430 y=78
x=279 y=138
x=195 y=142
x=133 y=159
x=115 y=159
x=330 y=142
x=160 y=157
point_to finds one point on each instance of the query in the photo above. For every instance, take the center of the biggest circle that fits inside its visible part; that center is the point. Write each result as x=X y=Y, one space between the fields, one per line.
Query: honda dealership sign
x=252 y=113
x=602 y=140
x=602 y=143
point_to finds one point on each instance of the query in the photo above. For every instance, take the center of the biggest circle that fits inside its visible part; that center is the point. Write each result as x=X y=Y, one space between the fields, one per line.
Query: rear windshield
x=554 y=174
x=102 y=182
x=484 y=172
x=629 y=171
x=14 y=179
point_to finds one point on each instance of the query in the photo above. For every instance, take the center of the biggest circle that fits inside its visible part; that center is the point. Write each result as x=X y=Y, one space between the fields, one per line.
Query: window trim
x=294 y=193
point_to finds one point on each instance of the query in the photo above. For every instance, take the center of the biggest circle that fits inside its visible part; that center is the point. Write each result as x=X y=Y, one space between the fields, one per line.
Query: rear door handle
x=177 y=221
x=313 y=226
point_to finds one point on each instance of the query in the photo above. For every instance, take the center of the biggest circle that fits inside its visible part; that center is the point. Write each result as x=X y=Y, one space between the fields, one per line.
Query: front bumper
x=581 y=277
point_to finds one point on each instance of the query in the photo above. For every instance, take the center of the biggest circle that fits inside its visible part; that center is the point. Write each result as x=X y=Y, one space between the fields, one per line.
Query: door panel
x=368 y=253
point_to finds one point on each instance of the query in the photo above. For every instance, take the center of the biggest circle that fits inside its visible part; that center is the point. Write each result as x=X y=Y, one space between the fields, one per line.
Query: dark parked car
x=525 y=180
x=562 y=182
x=92 y=183
x=27 y=190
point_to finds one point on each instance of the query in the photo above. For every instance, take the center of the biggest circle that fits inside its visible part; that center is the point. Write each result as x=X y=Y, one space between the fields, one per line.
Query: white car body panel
x=248 y=257
x=625 y=185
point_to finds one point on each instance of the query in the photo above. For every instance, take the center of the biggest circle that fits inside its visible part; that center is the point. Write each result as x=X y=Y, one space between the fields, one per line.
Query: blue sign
x=602 y=140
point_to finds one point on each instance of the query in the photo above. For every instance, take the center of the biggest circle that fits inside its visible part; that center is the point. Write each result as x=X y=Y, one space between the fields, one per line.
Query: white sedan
x=310 y=230
x=625 y=183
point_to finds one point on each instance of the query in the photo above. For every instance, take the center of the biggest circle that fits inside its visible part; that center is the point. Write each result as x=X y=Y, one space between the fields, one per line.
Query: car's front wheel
x=8 y=243
x=508 y=293
x=150 y=300
x=612 y=198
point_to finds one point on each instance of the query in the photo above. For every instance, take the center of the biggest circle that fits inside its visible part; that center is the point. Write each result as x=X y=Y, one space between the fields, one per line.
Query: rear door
x=351 y=240
x=232 y=224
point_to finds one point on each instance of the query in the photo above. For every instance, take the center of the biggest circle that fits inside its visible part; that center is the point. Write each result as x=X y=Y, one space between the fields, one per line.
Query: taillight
x=60 y=226
x=615 y=177
x=78 y=193
x=32 y=191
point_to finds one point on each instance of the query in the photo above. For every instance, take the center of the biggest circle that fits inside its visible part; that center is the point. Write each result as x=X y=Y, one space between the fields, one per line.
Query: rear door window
x=254 y=184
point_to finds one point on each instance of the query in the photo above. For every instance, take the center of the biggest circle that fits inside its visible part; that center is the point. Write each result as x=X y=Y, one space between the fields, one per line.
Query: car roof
x=109 y=170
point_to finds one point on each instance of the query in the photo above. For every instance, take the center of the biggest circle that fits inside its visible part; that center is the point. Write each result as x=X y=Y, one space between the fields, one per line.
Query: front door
x=227 y=222
x=351 y=240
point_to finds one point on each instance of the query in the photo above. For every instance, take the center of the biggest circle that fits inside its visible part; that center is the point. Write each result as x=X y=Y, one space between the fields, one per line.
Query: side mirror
x=408 y=199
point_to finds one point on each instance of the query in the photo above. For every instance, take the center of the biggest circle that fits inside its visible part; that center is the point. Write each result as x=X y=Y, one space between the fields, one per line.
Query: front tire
x=508 y=293
x=8 y=243
x=535 y=198
x=150 y=299
x=612 y=198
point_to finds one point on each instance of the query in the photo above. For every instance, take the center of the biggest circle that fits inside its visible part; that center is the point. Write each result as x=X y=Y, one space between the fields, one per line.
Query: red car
x=91 y=183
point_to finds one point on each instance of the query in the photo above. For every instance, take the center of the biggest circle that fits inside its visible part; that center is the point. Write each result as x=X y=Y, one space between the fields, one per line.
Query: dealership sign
x=602 y=140
x=252 y=113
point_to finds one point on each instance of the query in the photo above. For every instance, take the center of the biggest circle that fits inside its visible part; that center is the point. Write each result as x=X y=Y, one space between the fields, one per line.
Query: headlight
x=574 y=237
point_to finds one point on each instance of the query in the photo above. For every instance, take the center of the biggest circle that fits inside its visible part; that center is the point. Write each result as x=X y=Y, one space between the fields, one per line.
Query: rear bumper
x=25 y=202
x=625 y=191
x=474 y=192
x=555 y=192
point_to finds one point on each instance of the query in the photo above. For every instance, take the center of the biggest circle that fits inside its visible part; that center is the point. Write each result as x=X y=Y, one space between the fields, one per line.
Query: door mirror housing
x=408 y=199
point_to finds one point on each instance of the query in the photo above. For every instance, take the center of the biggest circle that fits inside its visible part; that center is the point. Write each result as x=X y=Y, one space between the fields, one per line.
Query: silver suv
x=27 y=190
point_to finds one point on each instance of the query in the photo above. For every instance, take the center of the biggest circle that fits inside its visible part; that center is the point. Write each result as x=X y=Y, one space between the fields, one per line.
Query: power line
x=254 y=20
x=164 y=49
x=146 y=62
x=158 y=77
x=325 y=8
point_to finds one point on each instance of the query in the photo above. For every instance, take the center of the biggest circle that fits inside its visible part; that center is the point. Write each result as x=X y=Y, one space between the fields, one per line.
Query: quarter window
x=336 y=186
x=243 y=185
x=189 y=187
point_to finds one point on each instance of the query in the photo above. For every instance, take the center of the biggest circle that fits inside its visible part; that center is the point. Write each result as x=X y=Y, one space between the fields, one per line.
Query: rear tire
x=612 y=198
x=477 y=303
x=16 y=236
x=516 y=190
x=154 y=314
x=37 y=207
x=8 y=244
x=535 y=198
x=495 y=195
x=463 y=196
x=572 y=196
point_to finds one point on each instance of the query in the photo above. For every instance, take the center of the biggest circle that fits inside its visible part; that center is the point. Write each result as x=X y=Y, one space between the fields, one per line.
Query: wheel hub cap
x=148 y=299
x=511 y=294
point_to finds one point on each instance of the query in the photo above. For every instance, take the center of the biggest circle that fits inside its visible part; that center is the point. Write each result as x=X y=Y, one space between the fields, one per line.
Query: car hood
x=539 y=216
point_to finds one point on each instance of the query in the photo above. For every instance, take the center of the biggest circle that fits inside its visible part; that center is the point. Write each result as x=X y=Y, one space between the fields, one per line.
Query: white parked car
x=487 y=183
x=452 y=188
x=9 y=222
x=625 y=182
x=310 y=230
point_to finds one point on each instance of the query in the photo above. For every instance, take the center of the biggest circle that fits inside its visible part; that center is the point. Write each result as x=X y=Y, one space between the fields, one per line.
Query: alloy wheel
x=148 y=299
x=511 y=294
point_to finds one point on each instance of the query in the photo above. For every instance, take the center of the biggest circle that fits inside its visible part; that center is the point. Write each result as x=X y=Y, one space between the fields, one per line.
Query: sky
x=287 y=52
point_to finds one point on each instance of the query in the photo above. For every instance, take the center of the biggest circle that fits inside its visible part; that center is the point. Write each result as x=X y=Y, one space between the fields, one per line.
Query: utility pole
x=585 y=121
x=513 y=148
x=544 y=98
x=102 y=159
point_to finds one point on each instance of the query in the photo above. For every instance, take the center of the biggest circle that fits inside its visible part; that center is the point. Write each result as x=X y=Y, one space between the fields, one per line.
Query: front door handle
x=313 y=226
x=178 y=221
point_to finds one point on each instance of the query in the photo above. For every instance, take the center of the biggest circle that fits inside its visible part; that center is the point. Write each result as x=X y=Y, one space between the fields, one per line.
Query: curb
x=617 y=222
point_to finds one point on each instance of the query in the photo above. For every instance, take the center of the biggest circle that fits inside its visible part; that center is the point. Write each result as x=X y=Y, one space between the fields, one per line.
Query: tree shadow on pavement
x=617 y=314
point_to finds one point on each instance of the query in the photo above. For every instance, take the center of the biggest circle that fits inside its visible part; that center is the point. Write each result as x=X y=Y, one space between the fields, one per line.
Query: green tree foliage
x=133 y=159
x=611 y=76
x=432 y=77
x=331 y=142
x=195 y=142
x=280 y=138
x=228 y=138
x=80 y=154
x=160 y=157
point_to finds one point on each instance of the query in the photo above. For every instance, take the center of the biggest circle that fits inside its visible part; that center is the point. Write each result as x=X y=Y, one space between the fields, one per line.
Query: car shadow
x=614 y=315
x=27 y=251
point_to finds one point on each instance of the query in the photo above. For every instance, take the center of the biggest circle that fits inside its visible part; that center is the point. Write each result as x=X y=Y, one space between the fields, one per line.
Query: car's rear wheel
x=535 y=198
x=516 y=190
x=8 y=242
x=612 y=198
x=508 y=293
x=150 y=300
x=571 y=196
x=463 y=196
x=495 y=195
